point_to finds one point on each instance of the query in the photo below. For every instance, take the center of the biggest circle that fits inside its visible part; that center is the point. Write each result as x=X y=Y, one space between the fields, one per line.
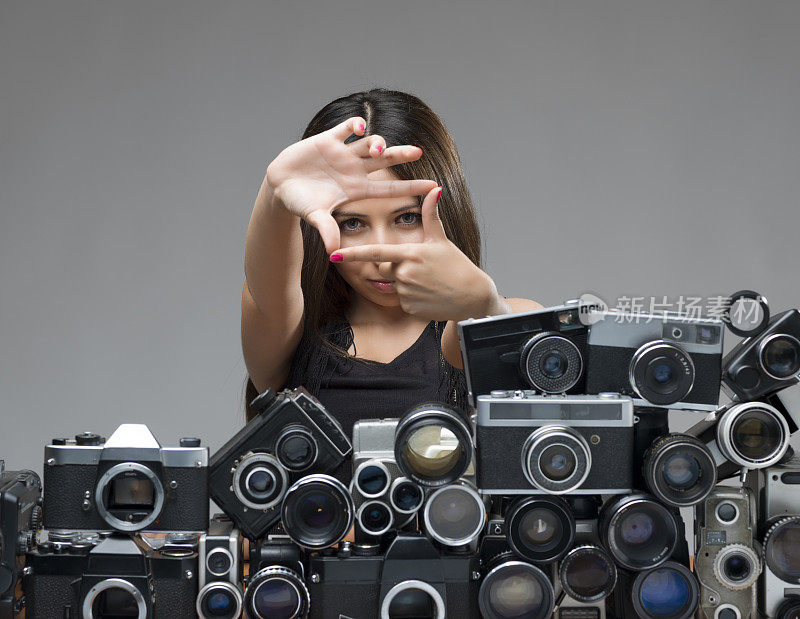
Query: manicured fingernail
x=361 y=127
x=336 y=257
x=379 y=148
x=440 y=194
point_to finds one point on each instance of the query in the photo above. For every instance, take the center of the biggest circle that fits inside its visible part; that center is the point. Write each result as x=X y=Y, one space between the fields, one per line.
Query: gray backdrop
x=618 y=147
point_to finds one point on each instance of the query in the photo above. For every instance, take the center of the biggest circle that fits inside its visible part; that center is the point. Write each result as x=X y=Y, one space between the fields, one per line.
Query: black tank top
x=351 y=389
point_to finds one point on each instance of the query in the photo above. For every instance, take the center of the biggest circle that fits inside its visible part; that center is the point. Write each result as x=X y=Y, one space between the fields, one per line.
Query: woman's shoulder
x=522 y=305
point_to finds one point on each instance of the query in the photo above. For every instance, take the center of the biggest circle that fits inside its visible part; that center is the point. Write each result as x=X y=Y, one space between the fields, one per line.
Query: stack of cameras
x=562 y=493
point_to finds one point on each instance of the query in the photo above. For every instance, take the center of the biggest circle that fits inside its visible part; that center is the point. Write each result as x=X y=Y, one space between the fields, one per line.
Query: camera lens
x=406 y=497
x=412 y=598
x=680 y=470
x=588 y=574
x=753 y=435
x=259 y=481
x=727 y=612
x=114 y=597
x=433 y=445
x=737 y=566
x=782 y=549
x=516 y=589
x=219 y=599
x=454 y=515
x=375 y=517
x=727 y=512
x=296 y=449
x=661 y=373
x=540 y=529
x=551 y=363
x=639 y=532
x=276 y=592
x=219 y=562
x=780 y=356
x=556 y=459
x=317 y=511
x=372 y=478
x=789 y=609
x=669 y=591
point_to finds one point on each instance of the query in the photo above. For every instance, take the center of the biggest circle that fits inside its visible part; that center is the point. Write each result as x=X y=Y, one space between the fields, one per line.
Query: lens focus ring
x=737 y=566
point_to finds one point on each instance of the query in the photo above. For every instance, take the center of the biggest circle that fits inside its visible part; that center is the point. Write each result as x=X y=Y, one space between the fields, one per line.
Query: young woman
x=361 y=256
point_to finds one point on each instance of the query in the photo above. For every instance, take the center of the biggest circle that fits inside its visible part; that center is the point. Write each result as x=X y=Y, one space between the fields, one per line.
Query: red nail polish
x=380 y=148
x=336 y=257
x=440 y=194
x=361 y=127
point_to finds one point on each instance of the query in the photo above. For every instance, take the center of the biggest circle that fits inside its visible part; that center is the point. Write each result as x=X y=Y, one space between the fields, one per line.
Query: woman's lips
x=382 y=284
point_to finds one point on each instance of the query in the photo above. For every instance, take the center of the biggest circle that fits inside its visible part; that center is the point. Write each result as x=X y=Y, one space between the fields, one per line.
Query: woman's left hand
x=433 y=279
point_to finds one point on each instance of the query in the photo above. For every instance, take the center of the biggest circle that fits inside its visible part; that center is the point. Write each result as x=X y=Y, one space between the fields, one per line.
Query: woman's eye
x=409 y=218
x=350 y=224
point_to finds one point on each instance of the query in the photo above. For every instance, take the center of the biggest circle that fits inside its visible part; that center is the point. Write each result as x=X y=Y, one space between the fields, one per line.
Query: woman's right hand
x=314 y=176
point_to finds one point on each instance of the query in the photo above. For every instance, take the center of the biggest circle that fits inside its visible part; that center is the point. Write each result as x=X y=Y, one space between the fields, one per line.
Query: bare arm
x=272 y=300
x=451 y=347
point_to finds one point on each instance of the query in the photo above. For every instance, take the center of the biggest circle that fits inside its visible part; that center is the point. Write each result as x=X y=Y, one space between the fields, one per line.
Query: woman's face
x=374 y=221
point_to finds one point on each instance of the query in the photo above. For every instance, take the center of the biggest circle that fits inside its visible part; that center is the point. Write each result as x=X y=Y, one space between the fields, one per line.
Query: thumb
x=327 y=227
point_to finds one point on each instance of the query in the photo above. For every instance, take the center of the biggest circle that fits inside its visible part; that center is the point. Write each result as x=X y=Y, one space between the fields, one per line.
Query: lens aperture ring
x=277 y=572
x=772 y=539
x=569 y=451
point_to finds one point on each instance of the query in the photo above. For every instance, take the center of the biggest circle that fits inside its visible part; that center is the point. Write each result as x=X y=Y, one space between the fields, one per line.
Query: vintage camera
x=455 y=515
x=292 y=435
x=726 y=562
x=779 y=515
x=109 y=576
x=384 y=499
x=512 y=586
x=669 y=360
x=543 y=350
x=411 y=579
x=220 y=571
x=128 y=483
x=766 y=363
x=744 y=436
x=276 y=586
x=556 y=439
x=20 y=519
x=680 y=470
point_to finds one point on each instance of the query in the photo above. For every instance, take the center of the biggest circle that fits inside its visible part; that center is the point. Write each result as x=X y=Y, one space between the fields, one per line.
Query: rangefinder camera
x=669 y=360
x=531 y=444
x=543 y=350
x=127 y=483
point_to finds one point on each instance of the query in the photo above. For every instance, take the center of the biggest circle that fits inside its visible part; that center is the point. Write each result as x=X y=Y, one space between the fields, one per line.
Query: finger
x=392 y=156
x=396 y=188
x=352 y=125
x=327 y=227
x=432 y=227
x=383 y=252
x=370 y=146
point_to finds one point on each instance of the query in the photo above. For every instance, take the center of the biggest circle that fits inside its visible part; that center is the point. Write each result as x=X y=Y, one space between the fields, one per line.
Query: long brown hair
x=400 y=118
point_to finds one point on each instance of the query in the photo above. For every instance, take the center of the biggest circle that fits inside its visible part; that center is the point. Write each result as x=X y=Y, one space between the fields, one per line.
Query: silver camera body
x=220 y=569
x=779 y=507
x=727 y=563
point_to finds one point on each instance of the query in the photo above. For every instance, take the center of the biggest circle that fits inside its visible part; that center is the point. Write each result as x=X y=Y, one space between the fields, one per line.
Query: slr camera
x=668 y=360
x=726 y=562
x=20 y=519
x=220 y=571
x=292 y=435
x=411 y=579
x=581 y=444
x=91 y=575
x=543 y=350
x=276 y=586
x=127 y=483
